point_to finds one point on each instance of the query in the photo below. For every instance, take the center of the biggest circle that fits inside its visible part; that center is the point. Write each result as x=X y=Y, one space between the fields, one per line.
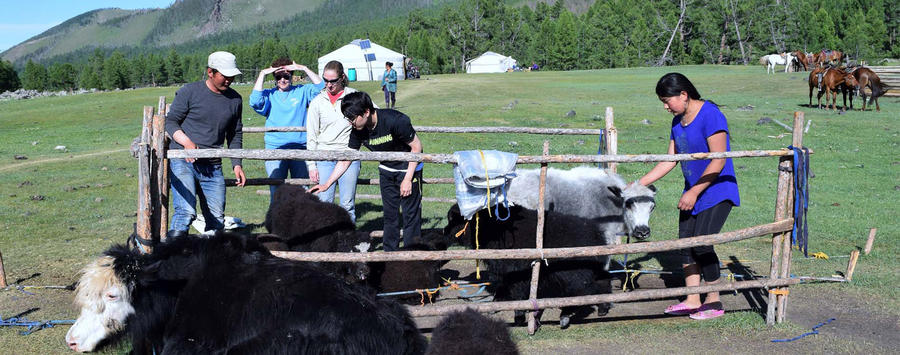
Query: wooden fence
x=890 y=76
x=152 y=216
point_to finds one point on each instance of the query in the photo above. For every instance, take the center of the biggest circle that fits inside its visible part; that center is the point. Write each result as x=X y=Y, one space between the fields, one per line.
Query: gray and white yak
x=228 y=295
x=590 y=193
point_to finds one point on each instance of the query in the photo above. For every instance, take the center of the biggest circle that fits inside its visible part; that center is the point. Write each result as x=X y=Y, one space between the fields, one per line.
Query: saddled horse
x=829 y=57
x=865 y=77
x=832 y=81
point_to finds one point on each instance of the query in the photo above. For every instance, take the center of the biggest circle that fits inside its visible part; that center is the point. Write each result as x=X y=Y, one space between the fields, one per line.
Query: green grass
x=90 y=191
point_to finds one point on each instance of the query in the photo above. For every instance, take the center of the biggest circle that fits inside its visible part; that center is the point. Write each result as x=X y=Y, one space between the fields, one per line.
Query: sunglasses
x=331 y=81
x=285 y=76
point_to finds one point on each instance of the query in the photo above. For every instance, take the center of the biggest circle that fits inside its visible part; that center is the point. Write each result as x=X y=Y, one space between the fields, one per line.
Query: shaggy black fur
x=468 y=332
x=393 y=276
x=561 y=278
x=299 y=221
x=300 y=217
x=227 y=294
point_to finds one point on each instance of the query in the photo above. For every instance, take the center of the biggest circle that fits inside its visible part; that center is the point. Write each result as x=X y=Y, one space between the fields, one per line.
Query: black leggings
x=390 y=97
x=709 y=221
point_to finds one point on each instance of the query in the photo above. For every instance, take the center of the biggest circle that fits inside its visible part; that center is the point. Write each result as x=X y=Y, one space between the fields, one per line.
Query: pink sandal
x=680 y=309
x=707 y=312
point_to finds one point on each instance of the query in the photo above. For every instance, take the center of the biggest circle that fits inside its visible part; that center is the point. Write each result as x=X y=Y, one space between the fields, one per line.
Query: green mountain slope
x=183 y=21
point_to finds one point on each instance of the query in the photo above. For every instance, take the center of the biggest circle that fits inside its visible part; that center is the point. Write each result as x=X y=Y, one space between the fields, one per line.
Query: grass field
x=60 y=209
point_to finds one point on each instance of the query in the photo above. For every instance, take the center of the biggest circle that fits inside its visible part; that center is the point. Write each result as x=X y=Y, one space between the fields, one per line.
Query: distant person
x=284 y=106
x=710 y=186
x=386 y=130
x=534 y=66
x=203 y=115
x=389 y=85
x=327 y=129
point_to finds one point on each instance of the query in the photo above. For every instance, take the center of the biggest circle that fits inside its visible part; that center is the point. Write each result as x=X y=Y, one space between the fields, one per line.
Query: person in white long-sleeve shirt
x=328 y=129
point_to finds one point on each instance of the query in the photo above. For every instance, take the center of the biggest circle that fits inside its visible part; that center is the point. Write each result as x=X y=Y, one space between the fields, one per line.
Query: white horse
x=780 y=59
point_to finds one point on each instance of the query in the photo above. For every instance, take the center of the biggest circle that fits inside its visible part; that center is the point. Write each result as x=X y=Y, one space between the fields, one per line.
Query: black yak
x=561 y=278
x=468 y=332
x=299 y=221
x=228 y=294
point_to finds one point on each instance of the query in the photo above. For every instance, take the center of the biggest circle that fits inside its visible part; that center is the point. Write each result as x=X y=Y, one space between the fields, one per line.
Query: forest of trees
x=612 y=33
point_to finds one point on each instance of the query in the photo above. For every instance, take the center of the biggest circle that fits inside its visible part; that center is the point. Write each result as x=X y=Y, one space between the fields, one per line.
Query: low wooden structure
x=890 y=76
x=152 y=216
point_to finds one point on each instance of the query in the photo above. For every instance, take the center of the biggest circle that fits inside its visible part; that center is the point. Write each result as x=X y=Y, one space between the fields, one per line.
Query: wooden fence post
x=870 y=241
x=783 y=199
x=2 y=272
x=161 y=199
x=143 y=227
x=851 y=265
x=786 y=250
x=612 y=137
x=538 y=244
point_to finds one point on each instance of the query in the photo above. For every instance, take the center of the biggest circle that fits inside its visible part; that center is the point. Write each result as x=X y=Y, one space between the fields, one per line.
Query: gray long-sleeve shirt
x=206 y=117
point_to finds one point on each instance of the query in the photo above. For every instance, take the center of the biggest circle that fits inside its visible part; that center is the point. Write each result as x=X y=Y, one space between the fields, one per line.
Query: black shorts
x=709 y=221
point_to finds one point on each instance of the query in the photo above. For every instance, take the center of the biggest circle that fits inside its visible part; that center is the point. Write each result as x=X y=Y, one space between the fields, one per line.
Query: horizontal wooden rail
x=432 y=129
x=267 y=181
x=550 y=253
x=320 y=155
x=541 y=303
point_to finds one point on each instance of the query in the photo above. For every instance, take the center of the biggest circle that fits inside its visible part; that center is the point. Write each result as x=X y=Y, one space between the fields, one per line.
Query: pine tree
x=116 y=74
x=173 y=68
x=9 y=79
x=62 y=76
x=35 y=77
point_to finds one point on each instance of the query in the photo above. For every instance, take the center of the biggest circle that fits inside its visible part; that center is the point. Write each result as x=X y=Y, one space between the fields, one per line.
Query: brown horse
x=832 y=81
x=801 y=60
x=833 y=57
x=865 y=77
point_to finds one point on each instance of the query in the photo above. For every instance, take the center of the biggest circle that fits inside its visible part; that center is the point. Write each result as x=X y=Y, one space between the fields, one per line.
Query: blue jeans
x=278 y=169
x=347 y=185
x=184 y=178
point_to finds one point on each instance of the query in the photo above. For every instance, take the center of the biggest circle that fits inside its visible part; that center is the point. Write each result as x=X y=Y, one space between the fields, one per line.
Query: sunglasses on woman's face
x=333 y=81
x=285 y=76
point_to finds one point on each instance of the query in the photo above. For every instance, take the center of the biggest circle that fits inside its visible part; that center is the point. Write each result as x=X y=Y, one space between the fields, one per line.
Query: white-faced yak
x=228 y=295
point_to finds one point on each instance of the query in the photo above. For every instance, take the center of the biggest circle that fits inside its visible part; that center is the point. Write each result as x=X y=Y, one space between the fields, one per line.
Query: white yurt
x=353 y=57
x=490 y=62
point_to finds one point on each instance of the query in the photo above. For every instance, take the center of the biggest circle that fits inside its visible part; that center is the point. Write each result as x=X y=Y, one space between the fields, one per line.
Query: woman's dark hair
x=389 y=64
x=338 y=68
x=280 y=62
x=673 y=84
x=356 y=104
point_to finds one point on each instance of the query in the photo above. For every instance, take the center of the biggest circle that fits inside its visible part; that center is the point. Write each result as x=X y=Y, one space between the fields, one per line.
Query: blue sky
x=24 y=19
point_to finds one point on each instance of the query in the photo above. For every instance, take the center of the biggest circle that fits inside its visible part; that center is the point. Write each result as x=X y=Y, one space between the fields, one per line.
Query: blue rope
x=601 y=149
x=800 y=233
x=814 y=331
x=32 y=326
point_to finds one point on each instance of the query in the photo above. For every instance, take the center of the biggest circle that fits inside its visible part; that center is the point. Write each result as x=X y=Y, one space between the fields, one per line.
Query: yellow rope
x=477 y=262
x=463 y=230
x=820 y=255
x=730 y=277
x=784 y=292
x=487 y=178
x=630 y=279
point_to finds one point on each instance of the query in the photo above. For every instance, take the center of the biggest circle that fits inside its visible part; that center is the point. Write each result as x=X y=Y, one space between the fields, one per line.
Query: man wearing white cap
x=203 y=115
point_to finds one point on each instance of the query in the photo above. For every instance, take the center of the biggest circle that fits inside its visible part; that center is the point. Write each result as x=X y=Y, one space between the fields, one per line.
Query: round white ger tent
x=353 y=56
x=490 y=62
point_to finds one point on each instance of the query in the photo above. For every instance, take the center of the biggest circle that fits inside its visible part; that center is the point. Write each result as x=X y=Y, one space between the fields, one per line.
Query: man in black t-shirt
x=386 y=130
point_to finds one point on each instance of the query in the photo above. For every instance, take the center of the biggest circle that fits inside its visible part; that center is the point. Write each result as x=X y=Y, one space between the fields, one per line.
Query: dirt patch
x=642 y=327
